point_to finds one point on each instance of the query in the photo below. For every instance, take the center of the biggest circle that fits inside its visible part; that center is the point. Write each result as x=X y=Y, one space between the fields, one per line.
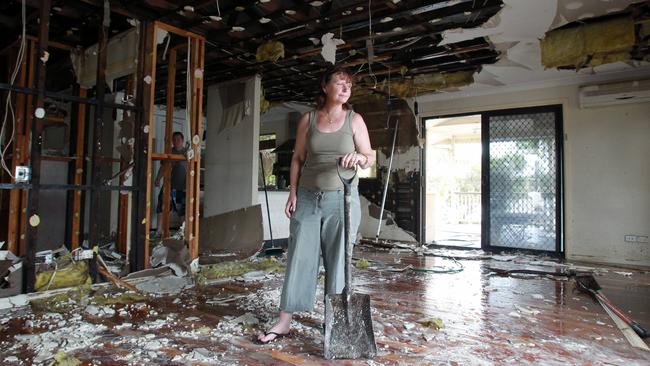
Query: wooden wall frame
x=197 y=62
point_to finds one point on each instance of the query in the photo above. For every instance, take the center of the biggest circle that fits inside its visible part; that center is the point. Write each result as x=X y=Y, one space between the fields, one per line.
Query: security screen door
x=522 y=179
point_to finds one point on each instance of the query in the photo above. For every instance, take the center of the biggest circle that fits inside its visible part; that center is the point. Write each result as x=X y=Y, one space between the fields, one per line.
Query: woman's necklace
x=331 y=120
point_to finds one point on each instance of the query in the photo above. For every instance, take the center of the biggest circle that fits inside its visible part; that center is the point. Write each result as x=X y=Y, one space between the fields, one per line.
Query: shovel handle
x=347 y=182
x=347 y=191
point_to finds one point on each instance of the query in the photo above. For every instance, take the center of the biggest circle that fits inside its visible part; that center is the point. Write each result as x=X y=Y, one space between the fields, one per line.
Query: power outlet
x=630 y=238
x=23 y=174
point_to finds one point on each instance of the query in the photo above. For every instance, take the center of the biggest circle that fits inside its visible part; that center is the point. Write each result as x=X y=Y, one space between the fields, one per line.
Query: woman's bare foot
x=281 y=328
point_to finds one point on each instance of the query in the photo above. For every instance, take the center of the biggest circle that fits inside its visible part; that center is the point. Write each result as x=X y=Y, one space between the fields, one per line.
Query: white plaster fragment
x=14 y=301
x=574 y=5
x=161 y=34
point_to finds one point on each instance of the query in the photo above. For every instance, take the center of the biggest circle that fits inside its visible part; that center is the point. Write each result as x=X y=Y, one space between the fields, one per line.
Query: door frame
x=423 y=180
x=559 y=181
x=485 y=184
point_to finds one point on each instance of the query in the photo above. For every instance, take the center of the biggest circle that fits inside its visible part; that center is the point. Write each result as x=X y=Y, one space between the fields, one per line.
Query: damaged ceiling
x=520 y=39
x=404 y=48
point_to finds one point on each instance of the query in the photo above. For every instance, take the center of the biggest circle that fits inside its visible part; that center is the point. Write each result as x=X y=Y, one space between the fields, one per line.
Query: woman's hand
x=290 y=207
x=352 y=159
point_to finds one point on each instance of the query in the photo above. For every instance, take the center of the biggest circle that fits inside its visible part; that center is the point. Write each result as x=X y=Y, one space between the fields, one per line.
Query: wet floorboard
x=488 y=319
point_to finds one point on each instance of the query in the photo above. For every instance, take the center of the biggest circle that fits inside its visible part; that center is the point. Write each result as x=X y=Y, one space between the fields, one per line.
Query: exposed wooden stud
x=123 y=201
x=143 y=99
x=18 y=155
x=75 y=234
x=178 y=31
x=22 y=229
x=35 y=156
x=168 y=157
x=148 y=99
x=197 y=62
x=97 y=151
x=169 y=129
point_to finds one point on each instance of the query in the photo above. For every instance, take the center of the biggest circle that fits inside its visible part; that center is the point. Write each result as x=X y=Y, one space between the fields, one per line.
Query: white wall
x=231 y=157
x=607 y=169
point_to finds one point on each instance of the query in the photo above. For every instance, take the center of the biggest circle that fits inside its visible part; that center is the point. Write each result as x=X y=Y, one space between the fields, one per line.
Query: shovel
x=348 y=323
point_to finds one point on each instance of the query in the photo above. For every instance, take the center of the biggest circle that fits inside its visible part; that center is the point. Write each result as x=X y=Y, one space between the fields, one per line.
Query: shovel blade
x=353 y=337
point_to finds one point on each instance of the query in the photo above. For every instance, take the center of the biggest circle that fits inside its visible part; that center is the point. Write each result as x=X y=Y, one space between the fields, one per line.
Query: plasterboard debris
x=165 y=285
x=329 y=47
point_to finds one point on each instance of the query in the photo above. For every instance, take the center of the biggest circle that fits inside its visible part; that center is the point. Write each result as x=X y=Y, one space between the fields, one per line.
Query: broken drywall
x=380 y=129
x=516 y=34
x=172 y=253
x=238 y=232
x=389 y=229
x=121 y=59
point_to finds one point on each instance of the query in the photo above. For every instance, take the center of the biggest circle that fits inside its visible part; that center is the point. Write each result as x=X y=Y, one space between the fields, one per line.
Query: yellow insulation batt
x=67 y=274
x=270 y=51
x=589 y=45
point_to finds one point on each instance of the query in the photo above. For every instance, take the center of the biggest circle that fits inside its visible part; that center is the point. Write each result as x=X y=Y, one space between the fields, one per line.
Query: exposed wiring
x=369 y=43
x=169 y=37
x=8 y=105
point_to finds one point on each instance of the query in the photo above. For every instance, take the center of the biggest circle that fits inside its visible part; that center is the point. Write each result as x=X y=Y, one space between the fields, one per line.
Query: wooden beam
x=169 y=129
x=140 y=199
x=96 y=164
x=35 y=156
x=18 y=155
x=148 y=100
x=78 y=171
x=193 y=199
x=178 y=31
x=26 y=144
x=123 y=205
x=167 y=157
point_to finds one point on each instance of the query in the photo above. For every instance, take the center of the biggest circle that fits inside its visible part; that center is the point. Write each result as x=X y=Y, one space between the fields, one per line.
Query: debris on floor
x=173 y=253
x=238 y=268
x=166 y=285
x=58 y=269
x=216 y=323
x=11 y=274
x=431 y=322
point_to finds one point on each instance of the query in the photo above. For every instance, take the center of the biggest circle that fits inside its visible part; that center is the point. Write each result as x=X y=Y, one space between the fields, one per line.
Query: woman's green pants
x=318 y=222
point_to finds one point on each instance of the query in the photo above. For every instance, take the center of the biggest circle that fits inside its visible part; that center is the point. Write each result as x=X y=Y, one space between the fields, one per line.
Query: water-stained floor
x=445 y=309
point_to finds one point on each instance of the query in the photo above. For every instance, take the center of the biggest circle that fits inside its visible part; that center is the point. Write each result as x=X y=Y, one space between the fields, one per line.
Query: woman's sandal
x=277 y=335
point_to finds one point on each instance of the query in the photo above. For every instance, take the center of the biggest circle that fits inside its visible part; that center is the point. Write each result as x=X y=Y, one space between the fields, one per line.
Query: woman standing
x=332 y=133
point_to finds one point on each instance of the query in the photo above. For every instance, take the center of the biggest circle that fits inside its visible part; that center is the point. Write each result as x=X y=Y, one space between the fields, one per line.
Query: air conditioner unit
x=602 y=95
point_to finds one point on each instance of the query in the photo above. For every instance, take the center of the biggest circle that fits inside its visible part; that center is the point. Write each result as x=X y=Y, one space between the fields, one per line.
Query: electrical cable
x=369 y=43
x=8 y=104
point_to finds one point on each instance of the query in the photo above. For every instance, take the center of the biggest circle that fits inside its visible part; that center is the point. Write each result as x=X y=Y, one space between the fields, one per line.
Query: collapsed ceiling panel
x=282 y=40
x=516 y=34
x=289 y=43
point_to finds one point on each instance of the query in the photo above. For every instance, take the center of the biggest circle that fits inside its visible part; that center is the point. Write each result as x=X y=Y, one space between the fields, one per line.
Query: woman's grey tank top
x=323 y=151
